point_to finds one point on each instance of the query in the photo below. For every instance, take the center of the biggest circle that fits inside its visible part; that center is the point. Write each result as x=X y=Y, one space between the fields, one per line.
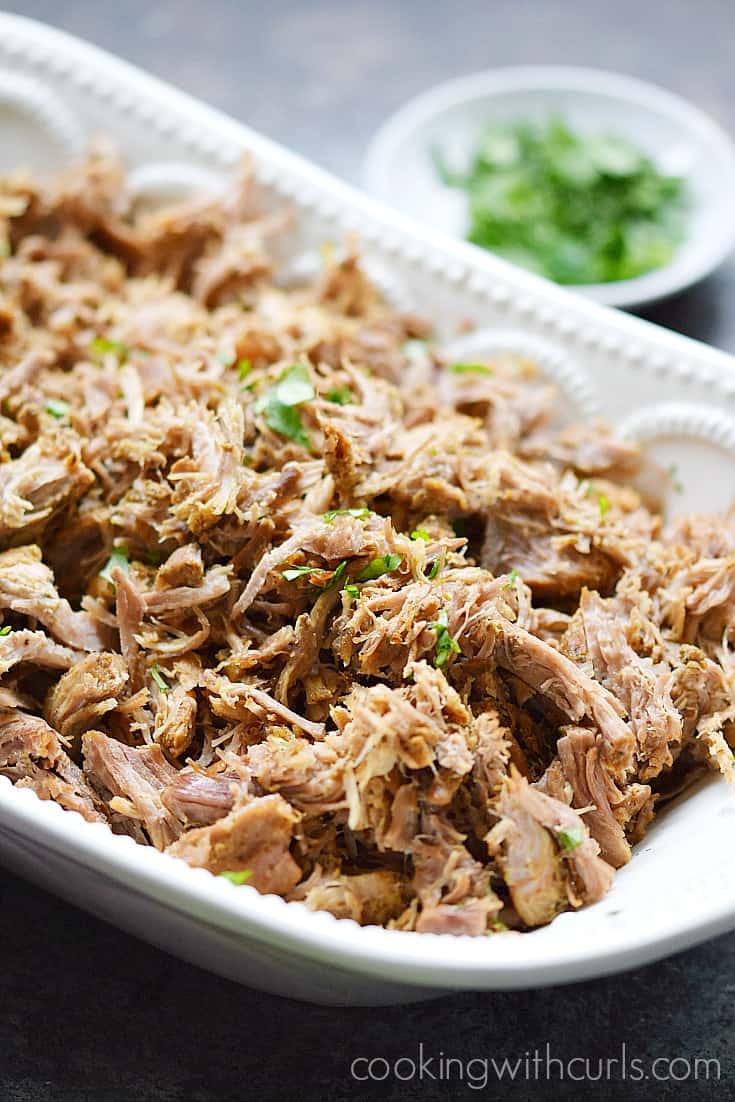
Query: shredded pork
x=289 y=595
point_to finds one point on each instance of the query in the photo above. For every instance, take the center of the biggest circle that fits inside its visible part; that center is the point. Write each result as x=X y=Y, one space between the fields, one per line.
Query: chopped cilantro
x=57 y=408
x=420 y=534
x=377 y=567
x=470 y=369
x=341 y=395
x=295 y=572
x=159 y=679
x=574 y=207
x=119 y=557
x=102 y=346
x=435 y=568
x=570 y=839
x=241 y=876
x=244 y=367
x=415 y=349
x=446 y=646
x=676 y=483
x=359 y=513
x=334 y=580
x=280 y=403
x=6 y=630
x=511 y=579
x=353 y=590
x=604 y=503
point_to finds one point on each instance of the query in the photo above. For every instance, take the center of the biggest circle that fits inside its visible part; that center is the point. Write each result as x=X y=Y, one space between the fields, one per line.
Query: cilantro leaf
x=676 y=484
x=244 y=367
x=280 y=403
x=570 y=839
x=341 y=396
x=353 y=590
x=377 y=567
x=446 y=646
x=295 y=572
x=436 y=566
x=604 y=504
x=159 y=679
x=334 y=580
x=359 y=513
x=470 y=369
x=102 y=346
x=420 y=534
x=6 y=630
x=511 y=579
x=241 y=876
x=57 y=408
x=286 y=421
x=119 y=558
x=416 y=349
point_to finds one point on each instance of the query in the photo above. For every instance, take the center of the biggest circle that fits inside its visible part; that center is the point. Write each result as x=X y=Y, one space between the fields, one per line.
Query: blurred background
x=321 y=75
x=89 y=1013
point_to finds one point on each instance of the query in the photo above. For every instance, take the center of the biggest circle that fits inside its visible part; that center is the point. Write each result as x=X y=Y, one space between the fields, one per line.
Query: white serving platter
x=679 y=396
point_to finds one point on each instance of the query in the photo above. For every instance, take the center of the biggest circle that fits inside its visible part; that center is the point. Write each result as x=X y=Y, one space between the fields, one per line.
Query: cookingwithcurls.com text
x=542 y=1064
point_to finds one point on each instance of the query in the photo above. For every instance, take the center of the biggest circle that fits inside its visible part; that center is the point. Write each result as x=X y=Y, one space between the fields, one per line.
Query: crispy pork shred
x=289 y=595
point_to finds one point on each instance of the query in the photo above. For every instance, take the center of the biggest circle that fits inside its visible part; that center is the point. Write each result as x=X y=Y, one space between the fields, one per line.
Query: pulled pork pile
x=289 y=595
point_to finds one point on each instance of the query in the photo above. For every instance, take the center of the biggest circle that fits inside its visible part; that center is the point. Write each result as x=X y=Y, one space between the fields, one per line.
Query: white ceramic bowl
x=653 y=385
x=398 y=167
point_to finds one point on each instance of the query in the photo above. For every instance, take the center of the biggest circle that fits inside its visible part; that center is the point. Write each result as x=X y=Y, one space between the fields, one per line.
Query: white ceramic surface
x=653 y=385
x=398 y=168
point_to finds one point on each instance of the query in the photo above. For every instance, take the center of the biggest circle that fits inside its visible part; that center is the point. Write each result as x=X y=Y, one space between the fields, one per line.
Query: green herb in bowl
x=578 y=209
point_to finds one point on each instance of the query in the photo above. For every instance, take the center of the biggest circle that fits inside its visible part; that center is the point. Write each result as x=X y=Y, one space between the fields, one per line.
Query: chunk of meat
x=370 y=898
x=404 y=820
x=129 y=610
x=175 y=720
x=255 y=837
x=574 y=692
x=383 y=729
x=589 y=876
x=47 y=477
x=215 y=584
x=27 y=587
x=469 y=919
x=130 y=780
x=198 y=799
x=545 y=853
x=642 y=687
x=32 y=756
x=309 y=775
x=183 y=567
x=529 y=860
x=34 y=647
x=593 y=788
x=444 y=869
x=93 y=687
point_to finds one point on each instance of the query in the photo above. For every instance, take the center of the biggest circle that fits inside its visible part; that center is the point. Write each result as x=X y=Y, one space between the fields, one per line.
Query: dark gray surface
x=88 y=1013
